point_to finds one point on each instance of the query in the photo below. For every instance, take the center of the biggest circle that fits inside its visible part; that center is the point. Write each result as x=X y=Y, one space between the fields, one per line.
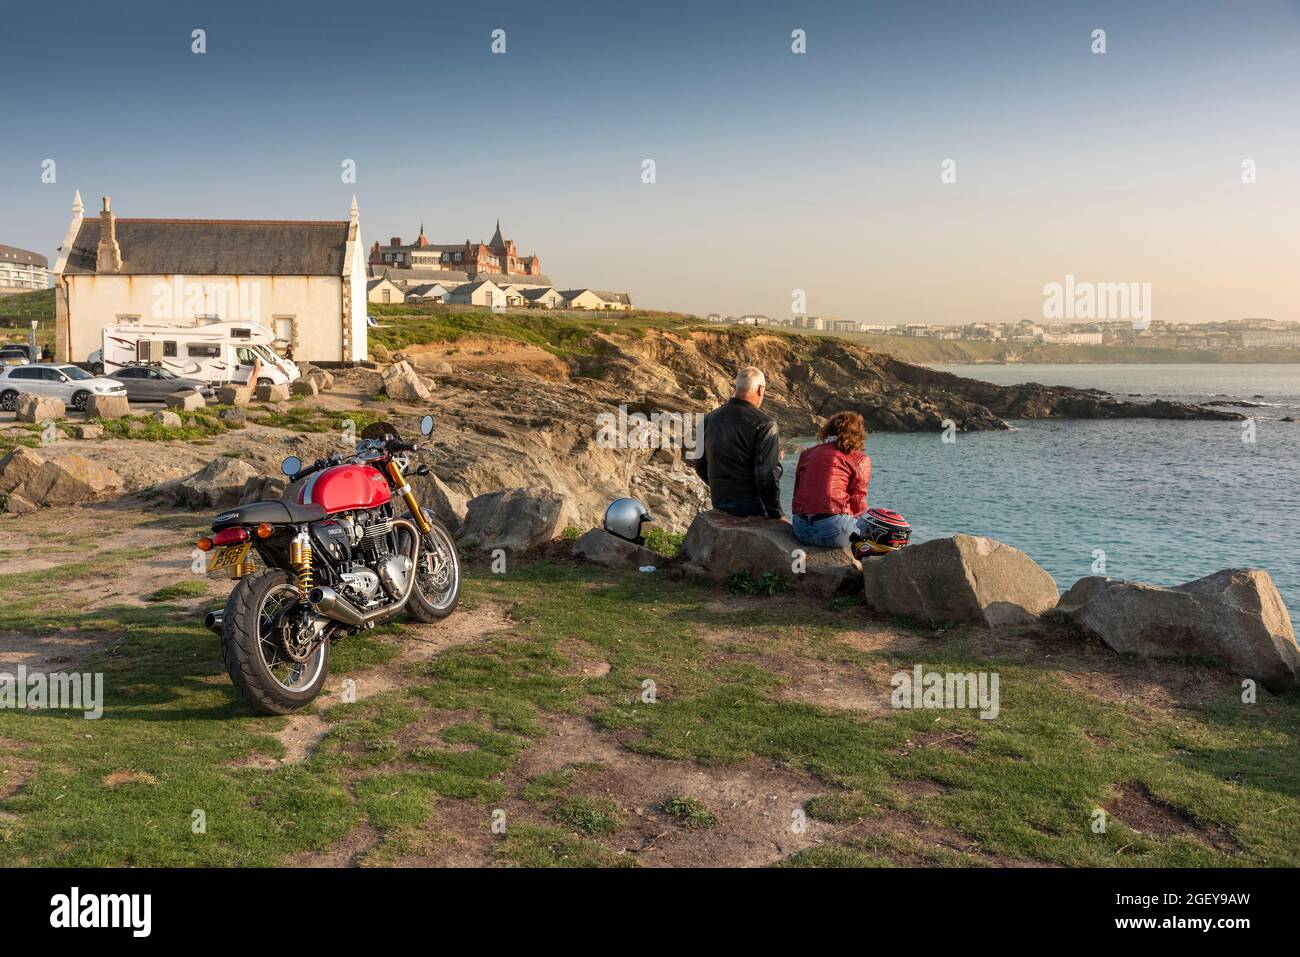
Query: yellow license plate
x=230 y=556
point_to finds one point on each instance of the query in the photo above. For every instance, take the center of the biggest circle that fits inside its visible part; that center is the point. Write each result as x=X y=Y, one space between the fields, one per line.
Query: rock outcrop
x=186 y=401
x=436 y=496
x=959 y=579
x=219 y=484
x=404 y=384
x=273 y=393
x=38 y=408
x=18 y=466
x=68 y=480
x=599 y=546
x=1234 y=616
x=516 y=519
x=720 y=545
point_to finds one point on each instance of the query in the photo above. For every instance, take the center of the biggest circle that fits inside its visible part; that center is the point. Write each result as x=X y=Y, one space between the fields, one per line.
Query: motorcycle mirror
x=426 y=425
x=291 y=466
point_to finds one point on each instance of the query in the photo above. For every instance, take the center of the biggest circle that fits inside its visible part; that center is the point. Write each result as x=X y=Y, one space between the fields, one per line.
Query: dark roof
x=496 y=242
x=448 y=276
x=217 y=247
x=14 y=254
x=539 y=293
x=613 y=296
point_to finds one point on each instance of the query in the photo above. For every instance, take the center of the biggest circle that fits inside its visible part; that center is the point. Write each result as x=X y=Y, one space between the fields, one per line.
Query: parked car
x=147 y=383
x=67 y=382
x=15 y=355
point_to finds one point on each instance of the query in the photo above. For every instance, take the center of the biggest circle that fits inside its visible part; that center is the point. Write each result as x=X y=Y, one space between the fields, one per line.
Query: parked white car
x=67 y=382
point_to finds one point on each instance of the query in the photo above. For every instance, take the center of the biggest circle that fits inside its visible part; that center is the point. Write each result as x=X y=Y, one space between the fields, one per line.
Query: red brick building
x=498 y=256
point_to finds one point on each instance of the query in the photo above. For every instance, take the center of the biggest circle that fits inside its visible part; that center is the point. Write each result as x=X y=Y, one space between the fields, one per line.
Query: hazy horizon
x=775 y=171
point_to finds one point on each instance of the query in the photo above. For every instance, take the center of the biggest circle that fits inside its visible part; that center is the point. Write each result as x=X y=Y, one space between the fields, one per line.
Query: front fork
x=404 y=489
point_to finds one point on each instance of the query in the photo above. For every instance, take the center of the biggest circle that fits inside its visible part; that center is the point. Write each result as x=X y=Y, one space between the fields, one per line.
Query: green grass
x=1021 y=788
x=664 y=542
x=689 y=812
x=190 y=588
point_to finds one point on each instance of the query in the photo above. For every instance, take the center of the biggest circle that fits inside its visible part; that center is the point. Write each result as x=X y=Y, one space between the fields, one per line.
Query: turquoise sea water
x=1167 y=502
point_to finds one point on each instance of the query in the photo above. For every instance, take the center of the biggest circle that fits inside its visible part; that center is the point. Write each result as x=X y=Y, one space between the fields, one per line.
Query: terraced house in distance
x=304 y=280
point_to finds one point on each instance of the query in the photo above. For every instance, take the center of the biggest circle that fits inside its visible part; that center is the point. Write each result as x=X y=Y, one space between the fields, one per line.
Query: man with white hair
x=742 y=453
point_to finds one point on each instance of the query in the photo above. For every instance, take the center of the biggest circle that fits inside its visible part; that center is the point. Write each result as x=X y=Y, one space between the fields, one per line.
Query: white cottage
x=306 y=281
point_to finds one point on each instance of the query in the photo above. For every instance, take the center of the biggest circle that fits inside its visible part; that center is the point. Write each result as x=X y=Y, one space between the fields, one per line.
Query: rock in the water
x=720 y=545
x=305 y=386
x=38 y=408
x=446 y=504
x=87 y=430
x=1235 y=616
x=18 y=466
x=185 y=401
x=219 y=484
x=600 y=546
x=273 y=393
x=167 y=418
x=107 y=407
x=516 y=519
x=963 y=578
x=234 y=394
x=401 y=382
x=69 y=480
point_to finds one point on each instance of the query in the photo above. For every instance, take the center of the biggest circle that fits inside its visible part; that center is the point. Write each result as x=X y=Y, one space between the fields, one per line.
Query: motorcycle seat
x=276 y=512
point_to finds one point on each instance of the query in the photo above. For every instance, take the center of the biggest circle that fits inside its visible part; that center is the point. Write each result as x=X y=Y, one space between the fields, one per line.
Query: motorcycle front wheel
x=259 y=610
x=437 y=576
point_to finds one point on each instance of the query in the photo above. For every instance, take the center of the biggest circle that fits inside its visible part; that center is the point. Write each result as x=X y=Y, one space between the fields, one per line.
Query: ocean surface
x=1158 y=501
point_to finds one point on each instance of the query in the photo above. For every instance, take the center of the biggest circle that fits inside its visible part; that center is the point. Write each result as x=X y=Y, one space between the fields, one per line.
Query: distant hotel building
x=22 y=270
x=496 y=257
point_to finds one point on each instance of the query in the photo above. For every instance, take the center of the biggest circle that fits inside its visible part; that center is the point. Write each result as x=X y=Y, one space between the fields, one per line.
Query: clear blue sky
x=775 y=171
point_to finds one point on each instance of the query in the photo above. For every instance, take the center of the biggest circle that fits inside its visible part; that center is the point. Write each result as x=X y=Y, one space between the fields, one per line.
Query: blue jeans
x=830 y=532
x=745 y=507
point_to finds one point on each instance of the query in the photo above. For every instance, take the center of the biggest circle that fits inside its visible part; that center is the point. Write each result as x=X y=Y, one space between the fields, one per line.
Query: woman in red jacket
x=830 y=483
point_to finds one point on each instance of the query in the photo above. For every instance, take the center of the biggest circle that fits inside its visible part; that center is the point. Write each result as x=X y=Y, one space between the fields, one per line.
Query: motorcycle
x=336 y=559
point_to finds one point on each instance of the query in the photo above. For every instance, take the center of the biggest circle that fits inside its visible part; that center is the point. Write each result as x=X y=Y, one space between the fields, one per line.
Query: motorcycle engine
x=359 y=584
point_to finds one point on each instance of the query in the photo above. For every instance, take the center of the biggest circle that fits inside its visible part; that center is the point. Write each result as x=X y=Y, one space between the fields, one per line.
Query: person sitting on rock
x=830 y=484
x=741 y=460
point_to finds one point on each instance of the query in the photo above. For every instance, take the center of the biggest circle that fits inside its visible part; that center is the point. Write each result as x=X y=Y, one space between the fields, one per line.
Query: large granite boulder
x=219 y=484
x=273 y=393
x=603 y=548
x=69 y=480
x=720 y=545
x=38 y=408
x=264 y=488
x=186 y=401
x=436 y=496
x=167 y=419
x=963 y=578
x=1235 y=616
x=107 y=407
x=236 y=394
x=402 y=383
x=305 y=386
x=516 y=519
x=18 y=466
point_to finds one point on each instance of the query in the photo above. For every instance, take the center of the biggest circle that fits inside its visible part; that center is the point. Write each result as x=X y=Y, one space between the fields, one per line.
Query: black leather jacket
x=742 y=455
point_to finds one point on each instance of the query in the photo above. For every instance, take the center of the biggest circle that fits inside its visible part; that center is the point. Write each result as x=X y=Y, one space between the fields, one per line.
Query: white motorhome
x=216 y=352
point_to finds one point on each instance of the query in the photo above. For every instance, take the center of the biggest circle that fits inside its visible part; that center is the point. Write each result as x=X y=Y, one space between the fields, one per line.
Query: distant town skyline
x=925 y=163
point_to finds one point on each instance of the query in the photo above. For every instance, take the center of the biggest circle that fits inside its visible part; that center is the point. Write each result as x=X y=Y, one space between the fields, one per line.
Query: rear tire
x=8 y=400
x=243 y=640
x=437 y=590
x=79 y=400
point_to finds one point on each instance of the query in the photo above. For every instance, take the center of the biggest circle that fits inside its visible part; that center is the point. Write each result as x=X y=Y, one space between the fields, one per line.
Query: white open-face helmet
x=624 y=517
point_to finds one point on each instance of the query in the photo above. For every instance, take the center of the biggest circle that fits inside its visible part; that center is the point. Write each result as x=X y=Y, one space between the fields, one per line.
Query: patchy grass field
x=567 y=716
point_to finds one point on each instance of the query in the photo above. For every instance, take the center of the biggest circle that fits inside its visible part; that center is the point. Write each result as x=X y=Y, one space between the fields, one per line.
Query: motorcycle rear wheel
x=269 y=680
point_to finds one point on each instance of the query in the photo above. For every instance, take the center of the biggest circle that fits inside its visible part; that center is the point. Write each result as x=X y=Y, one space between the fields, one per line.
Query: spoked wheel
x=8 y=400
x=79 y=400
x=437 y=576
x=277 y=653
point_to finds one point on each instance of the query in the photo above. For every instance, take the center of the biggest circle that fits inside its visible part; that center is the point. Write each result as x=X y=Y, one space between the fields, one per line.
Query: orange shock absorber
x=300 y=556
x=404 y=489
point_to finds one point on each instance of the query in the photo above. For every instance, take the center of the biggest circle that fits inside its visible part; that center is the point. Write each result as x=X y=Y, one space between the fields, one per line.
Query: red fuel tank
x=345 y=487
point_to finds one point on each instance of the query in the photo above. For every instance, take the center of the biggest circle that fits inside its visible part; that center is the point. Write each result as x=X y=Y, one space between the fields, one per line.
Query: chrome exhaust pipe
x=326 y=601
x=213 y=620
